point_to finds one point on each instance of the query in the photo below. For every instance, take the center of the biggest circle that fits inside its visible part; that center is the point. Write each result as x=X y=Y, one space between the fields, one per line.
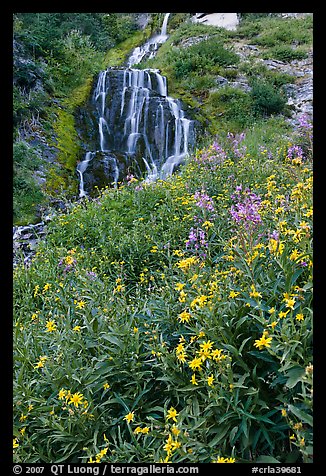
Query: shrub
x=233 y=104
x=266 y=98
x=201 y=57
x=285 y=53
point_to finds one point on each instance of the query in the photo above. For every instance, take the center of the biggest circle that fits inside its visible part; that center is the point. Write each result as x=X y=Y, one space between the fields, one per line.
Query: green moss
x=79 y=95
x=117 y=56
x=67 y=139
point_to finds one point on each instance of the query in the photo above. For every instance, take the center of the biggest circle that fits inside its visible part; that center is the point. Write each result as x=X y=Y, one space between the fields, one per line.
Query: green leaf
x=233 y=432
x=304 y=417
x=114 y=340
x=267 y=459
x=262 y=355
x=243 y=344
x=294 y=376
x=244 y=426
x=220 y=435
x=292 y=457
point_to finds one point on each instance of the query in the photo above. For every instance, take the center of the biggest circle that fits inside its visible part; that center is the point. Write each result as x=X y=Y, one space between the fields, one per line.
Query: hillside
x=170 y=321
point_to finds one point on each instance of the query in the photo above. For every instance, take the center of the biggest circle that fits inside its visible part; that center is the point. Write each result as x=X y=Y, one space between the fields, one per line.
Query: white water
x=165 y=23
x=81 y=167
x=150 y=47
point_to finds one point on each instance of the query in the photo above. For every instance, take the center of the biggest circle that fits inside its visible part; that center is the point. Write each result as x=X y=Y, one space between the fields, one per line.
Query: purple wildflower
x=235 y=140
x=246 y=210
x=295 y=152
x=275 y=235
x=304 y=122
x=204 y=201
x=197 y=240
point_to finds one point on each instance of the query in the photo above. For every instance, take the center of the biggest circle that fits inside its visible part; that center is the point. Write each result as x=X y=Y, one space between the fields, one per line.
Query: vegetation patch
x=171 y=321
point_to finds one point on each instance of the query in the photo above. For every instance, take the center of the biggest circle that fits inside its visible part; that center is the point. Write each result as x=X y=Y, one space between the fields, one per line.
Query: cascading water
x=141 y=130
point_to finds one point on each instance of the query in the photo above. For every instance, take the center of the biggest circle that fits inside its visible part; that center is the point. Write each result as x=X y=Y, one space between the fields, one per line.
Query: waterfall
x=141 y=130
x=164 y=25
x=150 y=47
x=81 y=167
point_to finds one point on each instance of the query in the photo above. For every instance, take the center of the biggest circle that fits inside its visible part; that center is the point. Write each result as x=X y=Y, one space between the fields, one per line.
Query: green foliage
x=188 y=30
x=285 y=53
x=266 y=98
x=201 y=57
x=131 y=345
x=67 y=139
x=287 y=31
x=27 y=194
x=234 y=105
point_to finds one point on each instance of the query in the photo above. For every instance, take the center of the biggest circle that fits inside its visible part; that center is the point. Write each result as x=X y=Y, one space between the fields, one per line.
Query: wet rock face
x=132 y=126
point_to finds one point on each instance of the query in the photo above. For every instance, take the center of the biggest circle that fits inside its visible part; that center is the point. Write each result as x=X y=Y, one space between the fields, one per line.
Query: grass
x=159 y=323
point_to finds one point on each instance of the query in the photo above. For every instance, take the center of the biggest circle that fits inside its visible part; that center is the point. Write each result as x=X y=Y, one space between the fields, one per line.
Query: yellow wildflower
x=129 y=417
x=179 y=286
x=175 y=445
x=182 y=357
x=46 y=287
x=36 y=290
x=254 y=293
x=62 y=394
x=180 y=348
x=196 y=363
x=263 y=342
x=76 y=399
x=283 y=314
x=182 y=296
x=172 y=413
x=233 y=294
x=216 y=354
x=50 y=326
x=175 y=430
x=184 y=316
x=272 y=324
x=206 y=345
x=40 y=363
x=289 y=303
x=69 y=260
x=186 y=263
